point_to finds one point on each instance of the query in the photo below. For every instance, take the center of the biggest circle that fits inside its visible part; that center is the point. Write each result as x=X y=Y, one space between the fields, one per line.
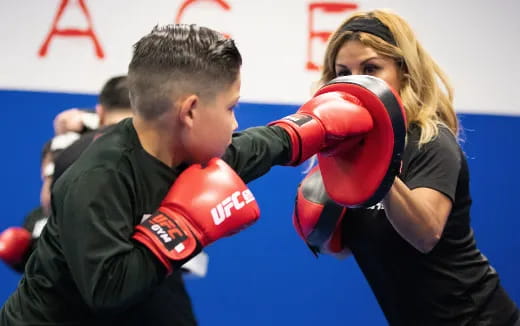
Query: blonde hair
x=426 y=92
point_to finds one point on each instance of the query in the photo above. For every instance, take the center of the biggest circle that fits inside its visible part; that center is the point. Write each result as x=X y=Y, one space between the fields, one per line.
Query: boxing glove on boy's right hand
x=203 y=205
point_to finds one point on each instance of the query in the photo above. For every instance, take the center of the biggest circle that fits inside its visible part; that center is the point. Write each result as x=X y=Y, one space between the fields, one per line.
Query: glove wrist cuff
x=306 y=133
x=169 y=237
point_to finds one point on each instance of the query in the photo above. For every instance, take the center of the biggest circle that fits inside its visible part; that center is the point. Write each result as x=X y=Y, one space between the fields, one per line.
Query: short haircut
x=179 y=59
x=115 y=94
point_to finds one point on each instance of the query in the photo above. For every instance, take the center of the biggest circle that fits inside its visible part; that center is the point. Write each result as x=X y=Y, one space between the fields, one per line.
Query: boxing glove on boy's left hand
x=323 y=123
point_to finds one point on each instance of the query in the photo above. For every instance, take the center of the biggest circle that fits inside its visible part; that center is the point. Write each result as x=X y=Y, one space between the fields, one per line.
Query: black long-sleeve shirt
x=86 y=270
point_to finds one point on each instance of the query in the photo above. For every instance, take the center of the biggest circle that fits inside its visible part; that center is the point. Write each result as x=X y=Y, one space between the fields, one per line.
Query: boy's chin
x=204 y=160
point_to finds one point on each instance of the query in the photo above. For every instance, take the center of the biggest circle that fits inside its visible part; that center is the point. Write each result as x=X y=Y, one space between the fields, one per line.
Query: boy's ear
x=187 y=109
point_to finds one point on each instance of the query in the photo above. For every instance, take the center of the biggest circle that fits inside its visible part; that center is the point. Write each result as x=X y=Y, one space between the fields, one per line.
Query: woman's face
x=354 y=58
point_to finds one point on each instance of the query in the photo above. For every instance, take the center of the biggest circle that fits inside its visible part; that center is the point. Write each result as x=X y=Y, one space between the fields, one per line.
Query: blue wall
x=266 y=275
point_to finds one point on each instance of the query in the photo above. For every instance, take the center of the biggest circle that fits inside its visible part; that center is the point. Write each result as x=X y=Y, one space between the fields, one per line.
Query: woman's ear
x=188 y=110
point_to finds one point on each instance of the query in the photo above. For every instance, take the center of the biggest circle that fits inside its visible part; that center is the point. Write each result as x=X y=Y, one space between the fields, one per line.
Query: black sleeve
x=96 y=224
x=254 y=151
x=32 y=218
x=435 y=165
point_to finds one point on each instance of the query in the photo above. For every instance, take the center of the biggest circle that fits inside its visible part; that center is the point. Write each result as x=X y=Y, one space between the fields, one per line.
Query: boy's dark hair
x=177 y=59
x=115 y=94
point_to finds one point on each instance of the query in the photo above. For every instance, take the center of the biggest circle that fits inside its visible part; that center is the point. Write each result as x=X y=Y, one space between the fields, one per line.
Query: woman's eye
x=370 y=69
x=343 y=72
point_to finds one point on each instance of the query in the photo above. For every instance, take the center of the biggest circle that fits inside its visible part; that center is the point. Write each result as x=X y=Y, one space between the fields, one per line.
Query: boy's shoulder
x=108 y=153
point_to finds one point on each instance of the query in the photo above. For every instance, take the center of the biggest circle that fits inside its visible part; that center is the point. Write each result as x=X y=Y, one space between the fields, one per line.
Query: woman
x=416 y=248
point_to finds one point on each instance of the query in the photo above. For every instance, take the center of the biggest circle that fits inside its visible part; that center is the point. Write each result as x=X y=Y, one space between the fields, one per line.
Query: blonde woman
x=416 y=248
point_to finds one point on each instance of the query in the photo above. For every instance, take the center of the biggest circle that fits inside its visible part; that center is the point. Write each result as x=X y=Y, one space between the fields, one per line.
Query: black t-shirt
x=453 y=284
x=86 y=269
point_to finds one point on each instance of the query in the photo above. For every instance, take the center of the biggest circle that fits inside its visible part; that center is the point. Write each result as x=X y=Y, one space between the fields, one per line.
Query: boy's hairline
x=178 y=96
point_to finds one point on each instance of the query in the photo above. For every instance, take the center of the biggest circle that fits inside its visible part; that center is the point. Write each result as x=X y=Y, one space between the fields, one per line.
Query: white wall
x=476 y=42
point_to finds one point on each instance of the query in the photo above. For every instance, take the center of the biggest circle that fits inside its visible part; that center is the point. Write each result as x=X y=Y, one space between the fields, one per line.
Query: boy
x=102 y=259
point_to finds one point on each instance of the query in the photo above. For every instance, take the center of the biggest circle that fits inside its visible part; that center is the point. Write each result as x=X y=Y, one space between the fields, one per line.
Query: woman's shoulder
x=443 y=134
x=444 y=141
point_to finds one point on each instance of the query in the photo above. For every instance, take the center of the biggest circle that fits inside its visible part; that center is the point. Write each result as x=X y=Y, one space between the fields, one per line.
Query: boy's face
x=213 y=124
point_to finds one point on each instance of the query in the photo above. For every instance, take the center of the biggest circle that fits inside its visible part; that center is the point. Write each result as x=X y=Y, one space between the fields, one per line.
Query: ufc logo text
x=237 y=201
x=166 y=230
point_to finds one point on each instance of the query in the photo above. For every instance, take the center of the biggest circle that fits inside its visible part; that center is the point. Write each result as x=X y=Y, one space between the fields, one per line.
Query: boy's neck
x=156 y=141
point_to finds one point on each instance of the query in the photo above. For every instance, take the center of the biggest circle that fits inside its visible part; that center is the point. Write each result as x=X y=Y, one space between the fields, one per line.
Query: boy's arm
x=322 y=123
x=254 y=151
x=96 y=223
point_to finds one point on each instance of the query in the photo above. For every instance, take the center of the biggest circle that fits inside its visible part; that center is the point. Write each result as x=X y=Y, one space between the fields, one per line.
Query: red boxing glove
x=14 y=244
x=203 y=205
x=323 y=123
x=317 y=219
x=357 y=126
